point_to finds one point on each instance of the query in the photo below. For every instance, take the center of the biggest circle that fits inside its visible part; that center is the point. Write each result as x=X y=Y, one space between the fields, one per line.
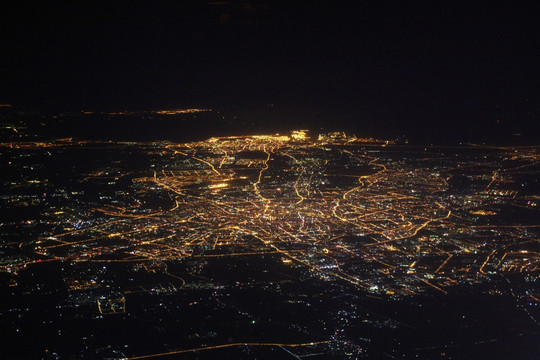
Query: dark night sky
x=453 y=67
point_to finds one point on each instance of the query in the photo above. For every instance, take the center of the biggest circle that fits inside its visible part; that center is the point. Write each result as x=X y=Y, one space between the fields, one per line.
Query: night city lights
x=270 y=180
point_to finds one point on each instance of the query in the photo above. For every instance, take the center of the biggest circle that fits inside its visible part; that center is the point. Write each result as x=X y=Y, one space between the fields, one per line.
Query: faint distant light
x=181 y=111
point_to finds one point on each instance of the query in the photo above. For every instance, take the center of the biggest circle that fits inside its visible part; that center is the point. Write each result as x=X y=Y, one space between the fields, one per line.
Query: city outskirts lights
x=181 y=111
x=160 y=112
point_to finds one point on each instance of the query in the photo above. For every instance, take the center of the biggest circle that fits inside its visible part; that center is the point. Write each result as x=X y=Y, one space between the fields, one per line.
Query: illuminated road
x=215 y=347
